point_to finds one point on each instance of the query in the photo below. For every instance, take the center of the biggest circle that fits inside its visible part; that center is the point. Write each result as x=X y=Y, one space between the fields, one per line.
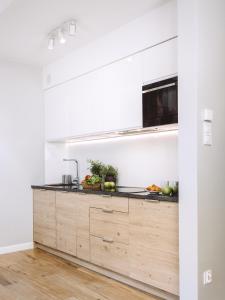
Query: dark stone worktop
x=140 y=195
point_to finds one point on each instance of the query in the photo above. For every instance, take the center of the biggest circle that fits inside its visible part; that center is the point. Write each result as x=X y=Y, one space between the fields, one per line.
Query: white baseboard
x=16 y=248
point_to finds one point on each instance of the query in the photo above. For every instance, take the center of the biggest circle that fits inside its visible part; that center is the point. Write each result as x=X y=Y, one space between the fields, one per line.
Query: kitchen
x=125 y=125
x=102 y=131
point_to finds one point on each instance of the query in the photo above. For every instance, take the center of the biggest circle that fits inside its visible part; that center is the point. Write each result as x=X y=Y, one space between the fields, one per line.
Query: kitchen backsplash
x=141 y=160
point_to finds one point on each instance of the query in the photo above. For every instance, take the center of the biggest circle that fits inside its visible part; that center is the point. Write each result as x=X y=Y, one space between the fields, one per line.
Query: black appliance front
x=160 y=103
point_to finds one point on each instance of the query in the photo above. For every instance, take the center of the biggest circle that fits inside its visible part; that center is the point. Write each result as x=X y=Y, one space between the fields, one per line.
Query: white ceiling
x=24 y=24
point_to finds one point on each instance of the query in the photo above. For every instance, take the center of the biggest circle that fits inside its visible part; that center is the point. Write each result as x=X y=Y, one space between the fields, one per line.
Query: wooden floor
x=37 y=275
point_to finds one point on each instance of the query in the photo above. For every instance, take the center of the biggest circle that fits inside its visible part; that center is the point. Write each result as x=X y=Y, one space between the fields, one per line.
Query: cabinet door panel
x=66 y=217
x=84 y=97
x=153 y=251
x=159 y=61
x=44 y=218
x=83 y=226
x=122 y=94
x=56 y=113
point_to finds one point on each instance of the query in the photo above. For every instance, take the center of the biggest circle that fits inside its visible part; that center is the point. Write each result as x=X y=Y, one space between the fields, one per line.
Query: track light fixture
x=51 y=43
x=72 y=28
x=61 y=36
x=61 y=33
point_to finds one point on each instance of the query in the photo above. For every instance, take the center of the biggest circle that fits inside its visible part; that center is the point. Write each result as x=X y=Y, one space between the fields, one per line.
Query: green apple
x=107 y=185
x=167 y=190
x=112 y=184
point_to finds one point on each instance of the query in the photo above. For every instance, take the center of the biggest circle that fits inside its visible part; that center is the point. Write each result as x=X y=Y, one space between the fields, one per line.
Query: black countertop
x=120 y=192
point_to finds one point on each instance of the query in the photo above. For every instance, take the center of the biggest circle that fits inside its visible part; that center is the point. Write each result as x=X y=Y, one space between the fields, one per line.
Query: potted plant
x=103 y=176
x=93 y=182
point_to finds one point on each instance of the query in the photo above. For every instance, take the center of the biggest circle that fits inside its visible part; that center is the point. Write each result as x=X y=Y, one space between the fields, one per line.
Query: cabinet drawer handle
x=107 y=210
x=63 y=191
x=107 y=240
x=106 y=196
x=152 y=200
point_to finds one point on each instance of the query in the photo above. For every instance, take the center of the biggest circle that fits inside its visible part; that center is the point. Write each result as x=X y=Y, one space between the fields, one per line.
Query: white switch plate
x=207 y=133
x=207 y=115
x=207 y=277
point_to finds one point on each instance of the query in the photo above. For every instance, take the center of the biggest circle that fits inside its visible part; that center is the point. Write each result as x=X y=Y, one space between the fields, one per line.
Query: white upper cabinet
x=108 y=99
x=159 y=61
x=84 y=98
x=56 y=113
x=121 y=94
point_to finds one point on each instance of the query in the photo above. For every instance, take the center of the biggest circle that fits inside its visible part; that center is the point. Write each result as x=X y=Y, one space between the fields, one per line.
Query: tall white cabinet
x=108 y=99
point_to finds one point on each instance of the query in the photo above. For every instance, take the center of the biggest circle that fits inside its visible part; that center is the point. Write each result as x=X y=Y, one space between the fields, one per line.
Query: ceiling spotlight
x=51 y=43
x=60 y=33
x=61 y=36
x=72 y=27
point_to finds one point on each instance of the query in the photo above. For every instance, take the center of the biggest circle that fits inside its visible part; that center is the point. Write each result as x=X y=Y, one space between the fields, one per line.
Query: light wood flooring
x=37 y=275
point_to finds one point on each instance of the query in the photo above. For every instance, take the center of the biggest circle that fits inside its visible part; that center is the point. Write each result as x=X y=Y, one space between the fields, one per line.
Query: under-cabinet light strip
x=121 y=137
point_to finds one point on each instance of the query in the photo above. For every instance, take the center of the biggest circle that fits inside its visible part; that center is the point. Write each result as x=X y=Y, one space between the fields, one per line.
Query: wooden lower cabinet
x=132 y=237
x=44 y=217
x=153 y=248
x=83 y=226
x=66 y=222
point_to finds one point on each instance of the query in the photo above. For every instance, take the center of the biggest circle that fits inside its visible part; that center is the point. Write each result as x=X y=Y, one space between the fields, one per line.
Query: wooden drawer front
x=110 y=224
x=66 y=216
x=110 y=255
x=154 y=246
x=44 y=218
x=109 y=202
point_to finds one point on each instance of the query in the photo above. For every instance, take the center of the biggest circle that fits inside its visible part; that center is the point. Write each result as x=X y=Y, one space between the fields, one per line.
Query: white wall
x=21 y=149
x=211 y=160
x=201 y=168
x=187 y=145
x=141 y=160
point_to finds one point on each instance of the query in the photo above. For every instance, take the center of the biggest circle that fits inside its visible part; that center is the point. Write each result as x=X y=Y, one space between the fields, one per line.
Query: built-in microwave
x=160 y=103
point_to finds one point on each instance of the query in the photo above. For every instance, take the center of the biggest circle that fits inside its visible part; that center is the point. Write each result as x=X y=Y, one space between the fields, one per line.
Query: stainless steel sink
x=61 y=186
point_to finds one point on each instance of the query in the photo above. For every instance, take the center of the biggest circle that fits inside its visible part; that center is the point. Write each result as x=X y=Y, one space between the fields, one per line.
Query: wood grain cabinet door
x=66 y=219
x=153 y=249
x=83 y=226
x=44 y=217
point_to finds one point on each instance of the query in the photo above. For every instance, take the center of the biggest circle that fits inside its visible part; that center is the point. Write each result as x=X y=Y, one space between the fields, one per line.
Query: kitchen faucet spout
x=76 y=179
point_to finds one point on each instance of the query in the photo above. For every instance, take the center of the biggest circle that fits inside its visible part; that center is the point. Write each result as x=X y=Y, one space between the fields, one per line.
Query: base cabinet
x=153 y=248
x=83 y=226
x=131 y=237
x=66 y=222
x=44 y=217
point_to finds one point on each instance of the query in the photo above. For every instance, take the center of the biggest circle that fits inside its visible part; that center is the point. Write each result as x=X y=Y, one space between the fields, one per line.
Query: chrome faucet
x=76 y=179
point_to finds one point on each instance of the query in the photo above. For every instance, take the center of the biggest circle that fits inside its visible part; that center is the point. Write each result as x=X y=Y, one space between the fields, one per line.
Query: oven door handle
x=159 y=88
